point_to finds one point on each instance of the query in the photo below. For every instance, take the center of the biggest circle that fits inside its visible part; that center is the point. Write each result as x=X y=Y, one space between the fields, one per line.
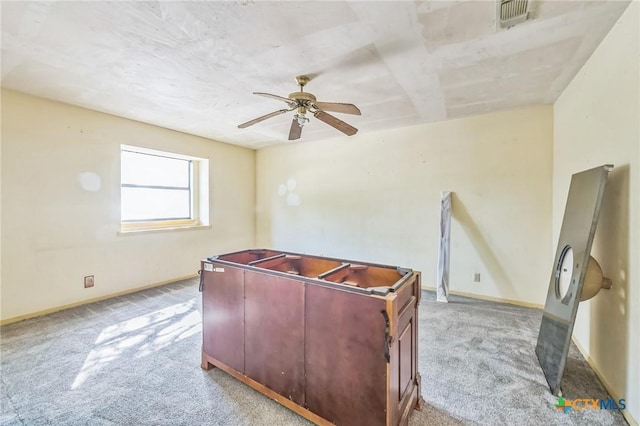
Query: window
x=162 y=190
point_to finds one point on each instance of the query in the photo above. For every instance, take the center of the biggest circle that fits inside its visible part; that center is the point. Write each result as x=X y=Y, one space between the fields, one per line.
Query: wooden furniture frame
x=335 y=341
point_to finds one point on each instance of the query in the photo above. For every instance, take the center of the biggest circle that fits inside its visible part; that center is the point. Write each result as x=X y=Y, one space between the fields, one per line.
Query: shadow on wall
x=609 y=313
x=490 y=261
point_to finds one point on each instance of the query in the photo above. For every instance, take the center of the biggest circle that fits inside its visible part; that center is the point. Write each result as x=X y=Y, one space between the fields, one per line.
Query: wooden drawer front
x=223 y=315
x=274 y=333
x=345 y=362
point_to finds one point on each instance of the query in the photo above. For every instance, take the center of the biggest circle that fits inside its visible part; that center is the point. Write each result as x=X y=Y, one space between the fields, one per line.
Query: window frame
x=198 y=195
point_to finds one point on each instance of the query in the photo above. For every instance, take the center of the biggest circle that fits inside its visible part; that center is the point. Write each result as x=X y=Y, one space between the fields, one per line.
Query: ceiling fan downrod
x=302 y=81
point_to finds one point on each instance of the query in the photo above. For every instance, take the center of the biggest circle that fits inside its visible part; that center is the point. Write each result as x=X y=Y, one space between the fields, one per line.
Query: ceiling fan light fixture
x=302 y=120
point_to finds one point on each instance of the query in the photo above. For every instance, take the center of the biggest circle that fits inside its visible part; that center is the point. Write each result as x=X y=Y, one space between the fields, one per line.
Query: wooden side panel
x=345 y=361
x=393 y=393
x=274 y=333
x=406 y=352
x=223 y=315
x=405 y=332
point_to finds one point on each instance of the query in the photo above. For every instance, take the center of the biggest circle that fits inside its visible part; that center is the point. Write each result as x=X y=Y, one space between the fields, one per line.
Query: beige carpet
x=135 y=359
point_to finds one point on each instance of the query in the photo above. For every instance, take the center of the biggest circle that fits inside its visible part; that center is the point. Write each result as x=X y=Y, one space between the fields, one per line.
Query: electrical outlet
x=88 y=281
x=476 y=277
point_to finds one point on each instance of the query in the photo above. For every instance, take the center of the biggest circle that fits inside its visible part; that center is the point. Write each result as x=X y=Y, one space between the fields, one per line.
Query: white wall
x=376 y=197
x=54 y=232
x=596 y=121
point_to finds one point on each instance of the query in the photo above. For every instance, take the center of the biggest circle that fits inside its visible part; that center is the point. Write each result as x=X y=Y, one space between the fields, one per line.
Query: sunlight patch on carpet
x=141 y=336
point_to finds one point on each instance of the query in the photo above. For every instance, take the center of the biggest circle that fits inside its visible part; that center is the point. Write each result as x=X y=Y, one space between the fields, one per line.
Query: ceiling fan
x=304 y=102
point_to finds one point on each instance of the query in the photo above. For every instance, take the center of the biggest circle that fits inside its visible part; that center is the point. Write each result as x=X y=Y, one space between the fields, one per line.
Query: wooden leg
x=205 y=364
x=420 y=400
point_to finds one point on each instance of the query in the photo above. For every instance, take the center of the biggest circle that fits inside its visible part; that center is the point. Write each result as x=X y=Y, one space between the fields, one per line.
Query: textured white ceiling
x=192 y=66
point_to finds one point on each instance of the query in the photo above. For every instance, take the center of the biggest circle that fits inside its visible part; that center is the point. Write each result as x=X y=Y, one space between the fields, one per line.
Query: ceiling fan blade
x=335 y=122
x=296 y=131
x=264 y=117
x=276 y=97
x=338 y=107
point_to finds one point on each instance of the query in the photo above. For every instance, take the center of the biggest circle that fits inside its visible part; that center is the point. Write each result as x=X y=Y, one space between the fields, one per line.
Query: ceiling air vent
x=512 y=12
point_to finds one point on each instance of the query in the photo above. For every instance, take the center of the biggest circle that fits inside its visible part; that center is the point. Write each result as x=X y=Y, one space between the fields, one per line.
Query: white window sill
x=162 y=229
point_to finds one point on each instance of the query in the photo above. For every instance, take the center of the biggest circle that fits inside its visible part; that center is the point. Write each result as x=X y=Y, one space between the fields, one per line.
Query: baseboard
x=490 y=298
x=92 y=300
x=627 y=415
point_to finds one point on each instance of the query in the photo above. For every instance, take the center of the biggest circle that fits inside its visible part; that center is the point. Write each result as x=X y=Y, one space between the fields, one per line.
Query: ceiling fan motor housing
x=302 y=96
x=303 y=100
